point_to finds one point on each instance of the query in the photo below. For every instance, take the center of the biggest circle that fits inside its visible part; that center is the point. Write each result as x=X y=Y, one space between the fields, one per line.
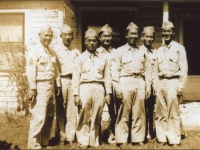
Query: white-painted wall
x=36 y=13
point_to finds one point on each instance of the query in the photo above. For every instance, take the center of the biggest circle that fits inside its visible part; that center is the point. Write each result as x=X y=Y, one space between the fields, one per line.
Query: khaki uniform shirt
x=110 y=54
x=66 y=57
x=151 y=65
x=172 y=61
x=91 y=68
x=41 y=65
x=129 y=61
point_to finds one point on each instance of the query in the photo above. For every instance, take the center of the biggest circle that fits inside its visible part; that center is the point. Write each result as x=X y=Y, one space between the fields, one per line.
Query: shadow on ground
x=4 y=145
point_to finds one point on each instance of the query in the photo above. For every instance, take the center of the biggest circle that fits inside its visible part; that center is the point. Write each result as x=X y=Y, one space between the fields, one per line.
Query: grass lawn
x=14 y=133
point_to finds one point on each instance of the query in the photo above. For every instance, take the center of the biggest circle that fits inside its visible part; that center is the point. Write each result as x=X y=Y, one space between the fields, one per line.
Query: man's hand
x=180 y=91
x=107 y=99
x=77 y=100
x=119 y=95
x=32 y=93
x=59 y=90
x=147 y=94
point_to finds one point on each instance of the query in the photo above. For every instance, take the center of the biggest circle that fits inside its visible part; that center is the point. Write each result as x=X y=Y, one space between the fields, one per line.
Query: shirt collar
x=148 y=50
x=129 y=47
x=96 y=53
x=169 y=45
x=103 y=50
x=45 y=49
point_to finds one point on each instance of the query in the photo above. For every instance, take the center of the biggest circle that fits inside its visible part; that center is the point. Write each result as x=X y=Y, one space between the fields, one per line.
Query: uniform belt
x=69 y=76
x=45 y=80
x=137 y=76
x=92 y=82
x=172 y=77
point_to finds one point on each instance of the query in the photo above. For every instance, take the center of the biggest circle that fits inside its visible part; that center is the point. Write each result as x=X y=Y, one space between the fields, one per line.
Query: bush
x=16 y=62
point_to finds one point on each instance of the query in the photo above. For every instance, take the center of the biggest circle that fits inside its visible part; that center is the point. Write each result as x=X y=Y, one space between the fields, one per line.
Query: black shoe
x=124 y=145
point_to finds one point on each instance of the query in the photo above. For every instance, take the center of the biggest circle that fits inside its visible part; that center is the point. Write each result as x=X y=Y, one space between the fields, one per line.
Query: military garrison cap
x=148 y=29
x=90 y=32
x=45 y=27
x=106 y=28
x=66 y=28
x=167 y=24
x=132 y=26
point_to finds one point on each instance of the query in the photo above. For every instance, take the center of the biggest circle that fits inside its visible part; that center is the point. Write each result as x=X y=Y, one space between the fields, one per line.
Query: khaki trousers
x=66 y=101
x=92 y=98
x=42 y=114
x=167 y=117
x=133 y=90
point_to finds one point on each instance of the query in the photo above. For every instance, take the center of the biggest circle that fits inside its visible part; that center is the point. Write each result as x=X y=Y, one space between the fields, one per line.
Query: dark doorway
x=191 y=34
x=118 y=20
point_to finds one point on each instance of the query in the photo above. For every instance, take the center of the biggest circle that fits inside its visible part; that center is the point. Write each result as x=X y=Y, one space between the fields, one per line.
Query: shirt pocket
x=173 y=57
x=43 y=61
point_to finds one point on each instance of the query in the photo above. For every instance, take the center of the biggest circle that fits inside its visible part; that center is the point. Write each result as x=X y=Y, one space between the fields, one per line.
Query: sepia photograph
x=99 y=74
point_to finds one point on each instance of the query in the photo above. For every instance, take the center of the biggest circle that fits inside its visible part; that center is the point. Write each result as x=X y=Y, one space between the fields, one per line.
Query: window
x=11 y=37
x=12 y=27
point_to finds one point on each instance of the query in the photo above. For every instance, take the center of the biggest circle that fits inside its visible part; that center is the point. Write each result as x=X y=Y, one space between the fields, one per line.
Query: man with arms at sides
x=172 y=72
x=148 y=37
x=109 y=111
x=41 y=71
x=66 y=110
x=92 y=88
x=129 y=83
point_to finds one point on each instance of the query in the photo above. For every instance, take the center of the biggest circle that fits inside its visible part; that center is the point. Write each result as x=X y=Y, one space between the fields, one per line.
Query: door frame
x=92 y=9
x=193 y=81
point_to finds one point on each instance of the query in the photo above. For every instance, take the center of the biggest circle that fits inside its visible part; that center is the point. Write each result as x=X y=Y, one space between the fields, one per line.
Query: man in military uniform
x=172 y=67
x=129 y=83
x=148 y=37
x=66 y=55
x=109 y=111
x=91 y=81
x=41 y=72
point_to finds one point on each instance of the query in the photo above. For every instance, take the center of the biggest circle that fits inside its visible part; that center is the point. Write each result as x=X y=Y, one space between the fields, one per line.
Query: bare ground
x=14 y=133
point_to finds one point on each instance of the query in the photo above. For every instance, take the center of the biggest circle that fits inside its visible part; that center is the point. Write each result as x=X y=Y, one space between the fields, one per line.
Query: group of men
x=105 y=84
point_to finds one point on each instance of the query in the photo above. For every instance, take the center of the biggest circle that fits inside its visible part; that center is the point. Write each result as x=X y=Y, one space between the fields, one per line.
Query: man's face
x=132 y=36
x=67 y=38
x=106 y=38
x=91 y=43
x=167 y=34
x=46 y=37
x=148 y=38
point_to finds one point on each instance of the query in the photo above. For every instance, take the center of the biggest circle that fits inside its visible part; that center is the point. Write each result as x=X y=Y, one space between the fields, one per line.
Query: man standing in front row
x=172 y=66
x=66 y=55
x=91 y=81
x=41 y=72
x=148 y=37
x=109 y=111
x=128 y=80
